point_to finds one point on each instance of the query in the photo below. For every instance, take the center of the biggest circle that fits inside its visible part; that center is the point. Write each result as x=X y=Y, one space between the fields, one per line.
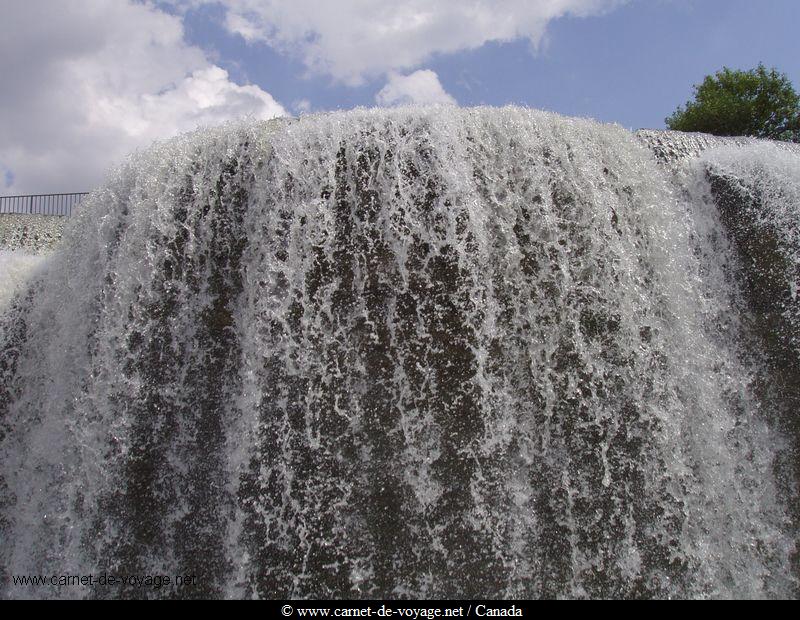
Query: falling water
x=410 y=353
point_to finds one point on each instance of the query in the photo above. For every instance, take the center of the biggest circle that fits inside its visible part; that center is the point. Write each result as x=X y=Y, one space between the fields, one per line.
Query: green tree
x=760 y=102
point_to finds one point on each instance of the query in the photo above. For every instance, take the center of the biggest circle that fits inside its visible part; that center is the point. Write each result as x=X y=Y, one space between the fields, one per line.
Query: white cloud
x=302 y=106
x=84 y=82
x=421 y=88
x=356 y=39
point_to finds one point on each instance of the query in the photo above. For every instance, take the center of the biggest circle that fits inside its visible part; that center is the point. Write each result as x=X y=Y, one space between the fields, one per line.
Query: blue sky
x=88 y=81
x=633 y=65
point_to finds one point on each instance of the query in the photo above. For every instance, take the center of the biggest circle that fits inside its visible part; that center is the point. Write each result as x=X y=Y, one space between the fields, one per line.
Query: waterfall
x=411 y=353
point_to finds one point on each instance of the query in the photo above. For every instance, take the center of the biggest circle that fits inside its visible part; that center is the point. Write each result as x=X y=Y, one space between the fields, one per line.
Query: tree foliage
x=760 y=102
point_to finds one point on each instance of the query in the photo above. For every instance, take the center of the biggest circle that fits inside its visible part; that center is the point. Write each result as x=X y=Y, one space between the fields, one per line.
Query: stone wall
x=34 y=233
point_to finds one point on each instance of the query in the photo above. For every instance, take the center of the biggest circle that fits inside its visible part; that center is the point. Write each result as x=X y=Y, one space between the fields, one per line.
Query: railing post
x=49 y=204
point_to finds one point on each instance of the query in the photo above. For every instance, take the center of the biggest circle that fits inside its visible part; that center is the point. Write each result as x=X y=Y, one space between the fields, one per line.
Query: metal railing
x=41 y=204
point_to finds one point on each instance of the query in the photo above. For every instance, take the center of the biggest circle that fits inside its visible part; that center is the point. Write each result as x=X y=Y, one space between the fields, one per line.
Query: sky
x=85 y=82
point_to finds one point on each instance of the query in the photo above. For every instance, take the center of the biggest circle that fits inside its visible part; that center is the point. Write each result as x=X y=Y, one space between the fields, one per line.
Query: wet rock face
x=753 y=187
x=397 y=353
x=760 y=212
x=769 y=267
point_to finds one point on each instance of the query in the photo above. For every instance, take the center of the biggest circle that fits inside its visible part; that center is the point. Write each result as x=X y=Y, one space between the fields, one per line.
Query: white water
x=16 y=268
x=432 y=353
x=768 y=177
